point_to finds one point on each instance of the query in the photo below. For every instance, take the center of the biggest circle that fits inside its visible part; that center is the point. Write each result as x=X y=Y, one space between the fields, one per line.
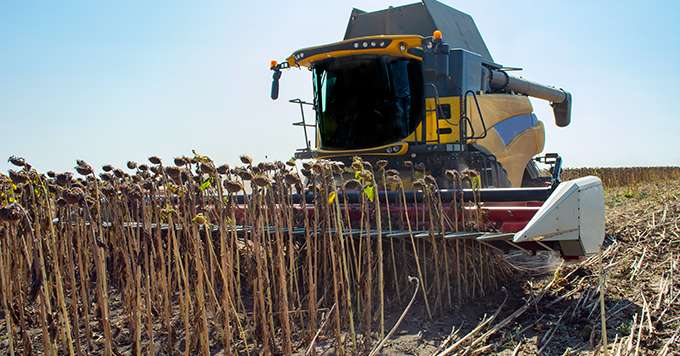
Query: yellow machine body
x=513 y=150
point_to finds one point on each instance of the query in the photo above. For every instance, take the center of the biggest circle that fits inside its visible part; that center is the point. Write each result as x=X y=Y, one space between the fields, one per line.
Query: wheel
x=532 y=176
x=500 y=176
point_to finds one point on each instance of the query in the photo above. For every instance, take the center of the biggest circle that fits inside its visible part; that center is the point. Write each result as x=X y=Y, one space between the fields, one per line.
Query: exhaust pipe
x=559 y=99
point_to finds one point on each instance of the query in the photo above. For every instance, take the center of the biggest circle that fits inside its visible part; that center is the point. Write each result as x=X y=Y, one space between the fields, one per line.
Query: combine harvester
x=415 y=89
x=423 y=165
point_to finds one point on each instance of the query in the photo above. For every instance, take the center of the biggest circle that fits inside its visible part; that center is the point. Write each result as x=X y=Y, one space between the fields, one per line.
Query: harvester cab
x=416 y=87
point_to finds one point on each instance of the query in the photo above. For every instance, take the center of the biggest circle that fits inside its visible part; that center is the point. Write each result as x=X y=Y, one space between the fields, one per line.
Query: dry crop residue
x=642 y=308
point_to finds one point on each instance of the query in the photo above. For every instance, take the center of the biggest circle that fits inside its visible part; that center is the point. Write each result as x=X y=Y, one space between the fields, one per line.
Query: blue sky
x=118 y=81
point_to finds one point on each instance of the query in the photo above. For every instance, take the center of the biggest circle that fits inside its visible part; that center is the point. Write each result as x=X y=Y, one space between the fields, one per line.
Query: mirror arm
x=275 y=83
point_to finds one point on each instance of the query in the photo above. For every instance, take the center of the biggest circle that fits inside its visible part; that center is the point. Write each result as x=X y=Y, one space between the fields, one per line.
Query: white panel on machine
x=573 y=212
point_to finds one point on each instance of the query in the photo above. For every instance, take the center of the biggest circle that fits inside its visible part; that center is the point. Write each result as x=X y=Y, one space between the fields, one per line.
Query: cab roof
x=422 y=19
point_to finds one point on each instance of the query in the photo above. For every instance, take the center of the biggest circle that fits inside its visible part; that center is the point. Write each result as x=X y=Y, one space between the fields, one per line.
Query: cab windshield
x=367 y=101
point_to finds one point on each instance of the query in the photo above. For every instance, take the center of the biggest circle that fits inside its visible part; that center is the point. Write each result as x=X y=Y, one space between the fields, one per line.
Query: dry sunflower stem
x=189 y=257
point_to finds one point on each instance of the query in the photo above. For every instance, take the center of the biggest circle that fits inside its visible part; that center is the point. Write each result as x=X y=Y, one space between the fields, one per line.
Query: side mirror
x=275 y=84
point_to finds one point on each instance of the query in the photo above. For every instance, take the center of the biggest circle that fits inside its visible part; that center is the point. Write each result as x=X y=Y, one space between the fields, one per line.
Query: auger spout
x=558 y=98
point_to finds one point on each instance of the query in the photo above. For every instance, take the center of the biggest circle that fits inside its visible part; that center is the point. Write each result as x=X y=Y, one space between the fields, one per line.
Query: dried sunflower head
x=63 y=179
x=53 y=188
x=79 y=183
x=352 y=184
x=181 y=161
x=73 y=196
x=155 y=160
x=392 y=172
x=246 y=159
x=131 y=165
x=107 y=177
x=208 y=168
x=147 y=184
x=232 y=186
x=245 y=175
x=430 y=180
x=136 y=193
x=143 y=167
x=173 y=172
x=381 y=164
x=452 y=174
x=10 y=213
x=118 y=173
x=317 y=168
x=470 y=173
x=261 y=181
x=223 y=169
x=108 y=190
x=83 y=170
x=17 y=161
x=18 y=177
x=51 y=174
x=291 y=179
x=107 y=168
x=394 y=179
x=408 y=164
x=419 y=184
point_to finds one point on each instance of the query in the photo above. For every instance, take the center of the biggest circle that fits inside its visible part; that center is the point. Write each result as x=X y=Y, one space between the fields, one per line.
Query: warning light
x=437 y=35
x=273 y=64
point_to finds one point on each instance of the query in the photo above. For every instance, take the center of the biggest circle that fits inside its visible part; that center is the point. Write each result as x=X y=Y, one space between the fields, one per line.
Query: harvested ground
x=640 y=263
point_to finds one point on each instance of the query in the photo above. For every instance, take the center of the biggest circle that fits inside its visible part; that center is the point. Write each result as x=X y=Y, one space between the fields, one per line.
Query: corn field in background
x=624 y=176
x=178 y=258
